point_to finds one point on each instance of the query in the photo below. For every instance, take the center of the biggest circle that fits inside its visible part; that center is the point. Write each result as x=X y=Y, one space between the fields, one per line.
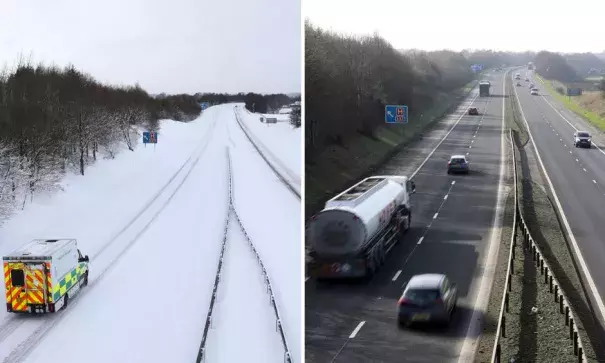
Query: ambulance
x=43 y=275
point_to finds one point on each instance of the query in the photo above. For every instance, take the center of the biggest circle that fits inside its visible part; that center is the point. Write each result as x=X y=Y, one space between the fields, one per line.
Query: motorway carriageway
x=451 y=233
x=578 y=178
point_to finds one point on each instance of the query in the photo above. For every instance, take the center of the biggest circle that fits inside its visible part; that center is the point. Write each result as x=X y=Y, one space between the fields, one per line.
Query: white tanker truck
x=352 y=235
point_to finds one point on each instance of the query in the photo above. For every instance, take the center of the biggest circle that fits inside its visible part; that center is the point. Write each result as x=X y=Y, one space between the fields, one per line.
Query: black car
x=473 y=111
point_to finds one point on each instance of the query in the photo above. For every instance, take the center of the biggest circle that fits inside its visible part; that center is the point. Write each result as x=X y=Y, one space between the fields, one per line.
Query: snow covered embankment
x=289 y=149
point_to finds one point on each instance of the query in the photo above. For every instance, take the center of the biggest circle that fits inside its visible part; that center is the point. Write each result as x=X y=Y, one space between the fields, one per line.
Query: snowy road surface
x=154 y=255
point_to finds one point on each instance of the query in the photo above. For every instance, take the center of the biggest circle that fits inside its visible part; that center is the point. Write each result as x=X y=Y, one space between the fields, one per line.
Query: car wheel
x=449 y=172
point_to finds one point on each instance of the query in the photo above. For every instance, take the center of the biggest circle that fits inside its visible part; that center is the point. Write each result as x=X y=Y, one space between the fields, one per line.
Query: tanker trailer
x=352 y=235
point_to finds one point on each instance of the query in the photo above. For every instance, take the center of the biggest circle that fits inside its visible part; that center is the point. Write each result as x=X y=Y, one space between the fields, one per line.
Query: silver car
x=427 y=298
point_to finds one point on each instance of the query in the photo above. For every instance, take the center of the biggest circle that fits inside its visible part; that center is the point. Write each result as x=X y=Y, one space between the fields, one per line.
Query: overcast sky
x=175 y=46
x=572 y=26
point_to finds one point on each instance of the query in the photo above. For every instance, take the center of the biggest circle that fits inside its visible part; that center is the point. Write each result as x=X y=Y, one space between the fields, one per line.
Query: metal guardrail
x=286 y=179
x=530 y=246
x=279 y=325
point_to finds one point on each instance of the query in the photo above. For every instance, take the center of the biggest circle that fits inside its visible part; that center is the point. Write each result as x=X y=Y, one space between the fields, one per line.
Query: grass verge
x=338 y=166
x=593 y=117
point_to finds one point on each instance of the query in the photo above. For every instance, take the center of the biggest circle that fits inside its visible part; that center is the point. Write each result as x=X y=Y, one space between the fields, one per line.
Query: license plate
x=420 y=317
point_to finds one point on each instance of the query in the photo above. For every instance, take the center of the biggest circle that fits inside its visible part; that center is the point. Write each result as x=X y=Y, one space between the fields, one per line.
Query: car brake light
x=403 y=301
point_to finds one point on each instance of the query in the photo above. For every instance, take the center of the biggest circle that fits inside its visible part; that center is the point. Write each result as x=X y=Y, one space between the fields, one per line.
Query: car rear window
x=458 y=161
x=421 y=296
x=583 y=134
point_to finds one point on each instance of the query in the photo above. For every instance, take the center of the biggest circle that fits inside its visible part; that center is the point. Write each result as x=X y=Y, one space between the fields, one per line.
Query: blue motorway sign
x=574 y=91
x=204 y=105
x=477 y=67
x=150 y=137
x=396 y=114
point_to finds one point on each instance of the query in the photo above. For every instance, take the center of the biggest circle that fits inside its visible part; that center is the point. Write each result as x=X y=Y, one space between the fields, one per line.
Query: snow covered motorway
x=155 y=223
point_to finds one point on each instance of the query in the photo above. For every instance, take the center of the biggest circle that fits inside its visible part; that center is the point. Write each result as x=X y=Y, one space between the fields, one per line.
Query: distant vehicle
x=534 y=91
x=352 y=235
x=473 y=111
x=530 y=65
x=531 y=85
x=42 y=276
x=427 y=298
x=458 y=164
x=518 y=76
x=518 y=84
x=582 y=139
x=484 y=88
x=526 y=79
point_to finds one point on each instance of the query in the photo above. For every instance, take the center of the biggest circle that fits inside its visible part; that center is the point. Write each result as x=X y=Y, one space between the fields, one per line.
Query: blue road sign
x=204 y=105
x=396 y=114
x=477 y=67
x=150 y=137
x=574 y=91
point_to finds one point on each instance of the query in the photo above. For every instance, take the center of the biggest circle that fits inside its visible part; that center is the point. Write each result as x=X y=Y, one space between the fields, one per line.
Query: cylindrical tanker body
x=355 y=222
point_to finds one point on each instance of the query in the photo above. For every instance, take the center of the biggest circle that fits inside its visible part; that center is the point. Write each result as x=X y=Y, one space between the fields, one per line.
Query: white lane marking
x=577 y=160
x=593 y=287
x=584 y=169
x=307 y=279
x=440 y=142
x=453 y=182
x=570 y=152
x=357 y=329
x=445 y=197
x=561 y=140
x=396 y=275
x=420 y=240
x=475 y=326
x=435 y=216
x=472 y=141
x=470 y=147
x=594 y=181
x=469 y=345
x=467 y=154
x=566 y=120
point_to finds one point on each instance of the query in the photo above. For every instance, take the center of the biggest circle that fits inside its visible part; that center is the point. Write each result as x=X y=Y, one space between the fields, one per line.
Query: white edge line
x=357 y=329
x=583 y=265
x=445 y=198
x=420 y=240
x=566 y=120
x=396 y=275
x=442 y=140
x=435 y=216
x=469 y=345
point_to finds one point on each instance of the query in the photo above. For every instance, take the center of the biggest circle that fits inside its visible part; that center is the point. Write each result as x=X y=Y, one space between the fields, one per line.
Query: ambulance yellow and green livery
x=43 y=275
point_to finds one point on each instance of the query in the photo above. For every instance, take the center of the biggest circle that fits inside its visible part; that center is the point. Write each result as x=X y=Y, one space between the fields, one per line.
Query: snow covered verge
x=280 y=143
x=152 y=221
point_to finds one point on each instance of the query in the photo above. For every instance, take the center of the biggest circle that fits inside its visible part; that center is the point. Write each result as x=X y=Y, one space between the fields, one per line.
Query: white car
x=534 y=91
x=582 y=139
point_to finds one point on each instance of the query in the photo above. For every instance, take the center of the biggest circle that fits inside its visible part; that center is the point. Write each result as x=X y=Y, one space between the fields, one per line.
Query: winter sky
x=176 y=46
x=516 y=25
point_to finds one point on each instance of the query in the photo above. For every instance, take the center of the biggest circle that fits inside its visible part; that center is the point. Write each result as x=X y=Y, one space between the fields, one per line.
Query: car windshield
x=421 y=295
x=458 y=161
x=583 y=134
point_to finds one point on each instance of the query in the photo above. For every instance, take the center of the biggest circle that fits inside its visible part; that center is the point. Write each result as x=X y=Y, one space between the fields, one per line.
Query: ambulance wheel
x=86 y=279
x=65 y=301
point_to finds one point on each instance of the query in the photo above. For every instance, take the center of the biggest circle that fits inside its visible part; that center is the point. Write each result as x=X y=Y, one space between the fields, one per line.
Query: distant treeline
x=349 y=80
x=567 y=68
x=254 y=102
x=53 y=120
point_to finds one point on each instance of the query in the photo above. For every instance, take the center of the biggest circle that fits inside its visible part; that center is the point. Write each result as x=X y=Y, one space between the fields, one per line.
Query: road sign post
x=396 y=114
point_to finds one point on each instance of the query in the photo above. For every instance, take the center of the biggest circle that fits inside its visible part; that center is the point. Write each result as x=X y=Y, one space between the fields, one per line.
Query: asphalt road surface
x=451 y=233
x=577 y=175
